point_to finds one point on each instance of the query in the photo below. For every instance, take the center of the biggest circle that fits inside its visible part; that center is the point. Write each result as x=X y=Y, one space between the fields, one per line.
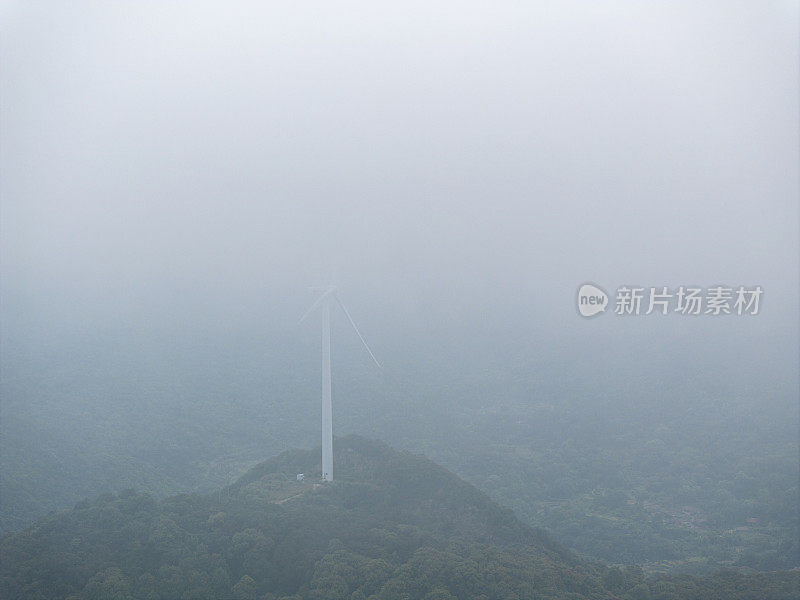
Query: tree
x=245 y=589
x=110 y=584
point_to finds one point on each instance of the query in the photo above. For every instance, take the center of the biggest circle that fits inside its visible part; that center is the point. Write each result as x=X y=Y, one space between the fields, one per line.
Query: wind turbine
x=327 y=297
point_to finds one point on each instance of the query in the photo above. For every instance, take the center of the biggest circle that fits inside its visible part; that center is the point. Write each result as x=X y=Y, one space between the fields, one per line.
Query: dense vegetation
x=670 y=493
x=393 y=525
x=681 y=477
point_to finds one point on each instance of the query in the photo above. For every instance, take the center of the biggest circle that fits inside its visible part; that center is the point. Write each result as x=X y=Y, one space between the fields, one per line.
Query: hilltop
x=392 y=525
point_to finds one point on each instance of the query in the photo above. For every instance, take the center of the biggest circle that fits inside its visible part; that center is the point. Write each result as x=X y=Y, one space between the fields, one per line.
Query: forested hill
x=393 y=525
x=379 y=485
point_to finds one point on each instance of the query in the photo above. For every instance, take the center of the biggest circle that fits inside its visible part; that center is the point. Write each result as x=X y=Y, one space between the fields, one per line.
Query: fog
x=175 y=176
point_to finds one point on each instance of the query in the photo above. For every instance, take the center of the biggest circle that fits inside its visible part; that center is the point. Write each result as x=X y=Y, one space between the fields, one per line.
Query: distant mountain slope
x=393 y=525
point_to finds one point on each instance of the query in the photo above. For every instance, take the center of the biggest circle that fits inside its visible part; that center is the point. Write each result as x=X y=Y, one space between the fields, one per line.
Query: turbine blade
x=361 y=337
x=319 y=300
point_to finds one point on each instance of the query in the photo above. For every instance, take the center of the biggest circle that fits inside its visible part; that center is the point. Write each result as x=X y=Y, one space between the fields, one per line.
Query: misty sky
x=196 y=166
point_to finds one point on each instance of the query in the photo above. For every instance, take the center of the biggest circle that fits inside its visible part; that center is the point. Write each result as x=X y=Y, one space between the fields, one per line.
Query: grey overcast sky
x=204 y=162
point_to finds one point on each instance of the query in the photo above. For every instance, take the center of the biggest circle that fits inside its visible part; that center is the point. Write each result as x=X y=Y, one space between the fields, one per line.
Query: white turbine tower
x=327 y=298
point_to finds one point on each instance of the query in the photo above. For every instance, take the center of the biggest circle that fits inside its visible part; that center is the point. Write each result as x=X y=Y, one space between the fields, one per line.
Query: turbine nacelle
x=325 y=294
x=329 y=294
